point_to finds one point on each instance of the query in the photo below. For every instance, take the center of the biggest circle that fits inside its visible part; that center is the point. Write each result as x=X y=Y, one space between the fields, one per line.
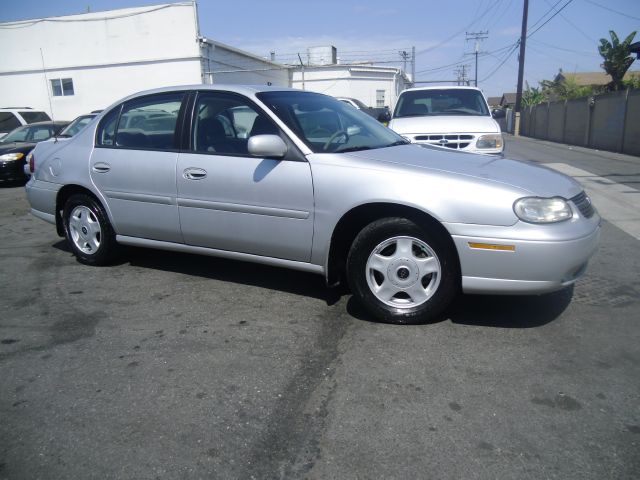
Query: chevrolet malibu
x=301 y=180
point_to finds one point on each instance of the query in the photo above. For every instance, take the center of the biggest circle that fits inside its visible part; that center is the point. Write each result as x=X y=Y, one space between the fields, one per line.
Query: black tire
x=403 y=271
x=88 y=231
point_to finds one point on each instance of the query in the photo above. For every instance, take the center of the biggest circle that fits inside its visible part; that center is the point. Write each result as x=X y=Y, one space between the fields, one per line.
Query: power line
x=513 y=49
x=579 y=30
x=462 y=60
x=467 y=27
x=550 y=18
x=579 y=52
x=612 y=10
x=552 y=8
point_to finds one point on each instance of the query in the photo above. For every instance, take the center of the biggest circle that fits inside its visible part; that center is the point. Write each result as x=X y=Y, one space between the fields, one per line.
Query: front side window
x=62 y=87
x=441 y=102
x=325 y=124
x=143 y=123
x=223 y=123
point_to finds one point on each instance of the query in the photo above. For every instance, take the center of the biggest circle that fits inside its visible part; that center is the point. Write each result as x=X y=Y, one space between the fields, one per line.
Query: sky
x=376 y=30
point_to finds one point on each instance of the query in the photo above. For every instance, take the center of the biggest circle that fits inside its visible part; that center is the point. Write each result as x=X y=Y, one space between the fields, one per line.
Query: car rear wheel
x=402 y=272
x=88 y=230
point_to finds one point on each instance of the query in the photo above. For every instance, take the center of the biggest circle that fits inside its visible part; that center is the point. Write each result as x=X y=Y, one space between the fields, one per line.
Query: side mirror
x=384 y=116
x=498 y=113
x=268 y=146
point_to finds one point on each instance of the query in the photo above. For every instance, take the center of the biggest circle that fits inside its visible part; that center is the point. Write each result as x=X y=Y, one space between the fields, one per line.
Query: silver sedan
x=300 y=180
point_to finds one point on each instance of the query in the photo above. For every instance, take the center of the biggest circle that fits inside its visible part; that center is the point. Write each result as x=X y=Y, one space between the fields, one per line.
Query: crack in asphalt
x=291 y=444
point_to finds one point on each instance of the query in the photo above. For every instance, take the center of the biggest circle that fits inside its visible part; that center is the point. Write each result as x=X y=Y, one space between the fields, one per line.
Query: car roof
x=442 y=87
x=247 y=90
x=47 y=122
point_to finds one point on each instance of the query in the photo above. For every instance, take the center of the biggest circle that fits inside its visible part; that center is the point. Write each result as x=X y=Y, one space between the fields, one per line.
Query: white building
x=373 y=85
x=74 y=64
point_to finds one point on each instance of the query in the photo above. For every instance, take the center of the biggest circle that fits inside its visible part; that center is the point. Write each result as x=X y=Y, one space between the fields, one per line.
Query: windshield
x=446 y=101
x=75 y=126
x=32 y=117
x=29 y=133
x=326 y=125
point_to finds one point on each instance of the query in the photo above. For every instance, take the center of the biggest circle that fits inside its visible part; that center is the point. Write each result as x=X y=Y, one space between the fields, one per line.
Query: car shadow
x=234 y=271
x=497 y=311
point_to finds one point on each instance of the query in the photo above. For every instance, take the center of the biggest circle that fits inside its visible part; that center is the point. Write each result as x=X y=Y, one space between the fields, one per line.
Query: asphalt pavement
x=174 y=366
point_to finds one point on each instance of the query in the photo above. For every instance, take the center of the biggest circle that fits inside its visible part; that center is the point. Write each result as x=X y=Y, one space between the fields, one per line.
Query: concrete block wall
x=610 y=121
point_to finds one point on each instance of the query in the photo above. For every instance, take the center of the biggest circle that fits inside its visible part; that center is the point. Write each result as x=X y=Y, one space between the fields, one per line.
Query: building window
x=379 y=98
x=62 y=87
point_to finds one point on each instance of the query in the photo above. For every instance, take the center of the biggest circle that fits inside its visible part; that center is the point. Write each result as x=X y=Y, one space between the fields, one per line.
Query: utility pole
x=302 y=68
x=413 y=66
x=523 y=43
x=477 y=37
x=461 y=75
x=405 y=56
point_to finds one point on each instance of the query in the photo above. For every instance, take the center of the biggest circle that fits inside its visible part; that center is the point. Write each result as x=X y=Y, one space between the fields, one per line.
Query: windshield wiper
x=399 y=142
x=353 y=149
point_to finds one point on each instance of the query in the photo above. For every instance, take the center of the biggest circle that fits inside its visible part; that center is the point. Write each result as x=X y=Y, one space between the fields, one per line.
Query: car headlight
x=10 y=157
x=492 y=141
x=542 y=210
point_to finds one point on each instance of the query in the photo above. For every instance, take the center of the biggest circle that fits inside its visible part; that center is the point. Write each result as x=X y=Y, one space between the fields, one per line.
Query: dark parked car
x=17 y=144
x=382 y=114
x=13 y=117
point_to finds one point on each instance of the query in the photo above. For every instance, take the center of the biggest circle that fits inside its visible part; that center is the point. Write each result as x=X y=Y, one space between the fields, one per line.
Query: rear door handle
x=101 y=167
x=194 y=173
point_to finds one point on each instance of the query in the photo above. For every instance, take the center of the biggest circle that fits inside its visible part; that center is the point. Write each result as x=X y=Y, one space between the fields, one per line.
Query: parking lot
x=170 y=365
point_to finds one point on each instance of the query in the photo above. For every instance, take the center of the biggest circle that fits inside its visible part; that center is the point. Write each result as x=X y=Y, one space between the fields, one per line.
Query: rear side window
x=8 y=121
x=143 y=123
x=32 y=117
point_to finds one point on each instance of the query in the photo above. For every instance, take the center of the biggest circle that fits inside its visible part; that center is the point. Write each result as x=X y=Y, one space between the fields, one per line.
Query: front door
x=229 y=200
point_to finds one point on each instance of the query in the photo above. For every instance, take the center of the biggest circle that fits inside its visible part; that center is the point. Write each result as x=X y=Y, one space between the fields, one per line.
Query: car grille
x=455 y=141
x=583 y=202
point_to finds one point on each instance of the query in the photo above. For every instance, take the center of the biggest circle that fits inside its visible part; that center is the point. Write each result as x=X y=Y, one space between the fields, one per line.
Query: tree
x=532 y=96
x=566 y=89
x=617 y=58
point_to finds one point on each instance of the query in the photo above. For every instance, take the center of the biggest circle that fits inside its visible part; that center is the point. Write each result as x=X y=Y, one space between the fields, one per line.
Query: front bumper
x=550 y=259
x=13 y=170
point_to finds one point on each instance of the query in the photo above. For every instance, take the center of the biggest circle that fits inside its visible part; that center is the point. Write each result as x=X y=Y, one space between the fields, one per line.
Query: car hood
x=528 y=177
x=15 y=147
x=445 y=124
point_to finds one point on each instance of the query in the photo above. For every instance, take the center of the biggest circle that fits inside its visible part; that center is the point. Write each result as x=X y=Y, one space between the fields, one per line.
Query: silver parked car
x=301 y=180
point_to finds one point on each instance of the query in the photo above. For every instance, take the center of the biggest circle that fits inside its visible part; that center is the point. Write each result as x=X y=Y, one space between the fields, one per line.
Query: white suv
x=457 y=118
x=11 y=118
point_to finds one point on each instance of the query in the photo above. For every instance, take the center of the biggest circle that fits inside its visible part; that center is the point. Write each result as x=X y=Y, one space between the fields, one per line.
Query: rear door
x=134 y=165
x=232 y=201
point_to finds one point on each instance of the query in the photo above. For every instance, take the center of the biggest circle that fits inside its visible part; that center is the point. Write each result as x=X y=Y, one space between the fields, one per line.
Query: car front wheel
x=402 y=272
x=88 y=230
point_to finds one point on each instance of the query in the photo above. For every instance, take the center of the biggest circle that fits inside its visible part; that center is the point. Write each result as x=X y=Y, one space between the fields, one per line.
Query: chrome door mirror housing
x=268 y=146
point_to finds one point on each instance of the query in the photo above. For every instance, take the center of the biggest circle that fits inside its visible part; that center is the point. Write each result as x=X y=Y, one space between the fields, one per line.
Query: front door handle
x=101 y=167
x=194 y=173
